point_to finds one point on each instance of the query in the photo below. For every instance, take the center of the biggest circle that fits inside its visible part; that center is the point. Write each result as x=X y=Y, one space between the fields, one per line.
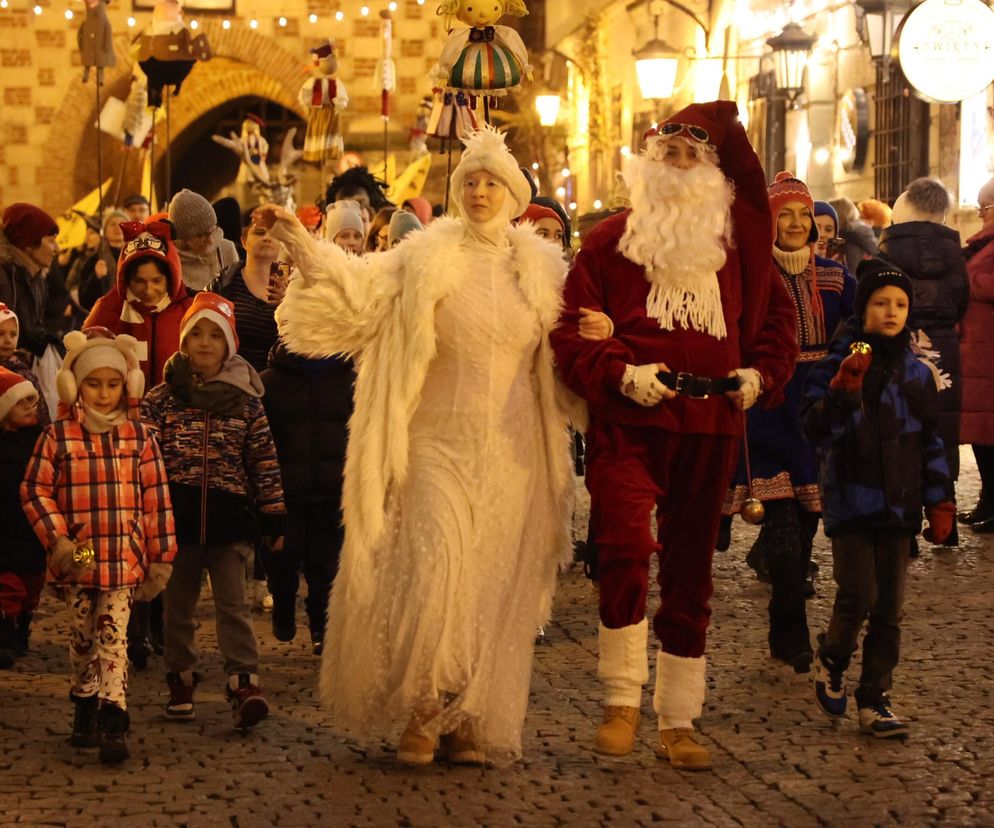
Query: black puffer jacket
x=20 y=551
x=308 y=403
x=930 y=254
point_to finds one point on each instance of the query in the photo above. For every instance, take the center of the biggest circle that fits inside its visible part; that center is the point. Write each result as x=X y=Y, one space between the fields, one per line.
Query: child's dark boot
x=8 y=642
x=84 y=722
x=114 y=724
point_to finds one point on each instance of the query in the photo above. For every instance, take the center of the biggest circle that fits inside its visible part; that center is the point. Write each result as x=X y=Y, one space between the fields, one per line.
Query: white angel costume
x=457 y=477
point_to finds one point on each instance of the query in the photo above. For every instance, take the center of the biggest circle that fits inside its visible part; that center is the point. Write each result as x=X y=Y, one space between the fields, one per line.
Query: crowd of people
x=384 y=399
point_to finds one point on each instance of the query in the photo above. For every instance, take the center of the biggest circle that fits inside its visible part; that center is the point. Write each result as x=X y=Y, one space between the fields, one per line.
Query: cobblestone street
x=777 y=761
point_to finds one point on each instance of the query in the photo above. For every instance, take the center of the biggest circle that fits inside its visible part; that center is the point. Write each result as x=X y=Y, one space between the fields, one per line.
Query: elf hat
x=540 y=211
x=342 y=215
x=149 y=240
x=873 y=274
x=6 y=313
x=94 y=348
x=786 y=188
x=215 y=309
x=486 y=150
x=13 y=389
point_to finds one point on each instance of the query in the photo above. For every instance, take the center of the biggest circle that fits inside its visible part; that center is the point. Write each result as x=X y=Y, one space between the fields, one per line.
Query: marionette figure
x=256 y=146
x=324 y=96
x=481 y=60
x=167 y=52
x=96 y=41
x=417 y=139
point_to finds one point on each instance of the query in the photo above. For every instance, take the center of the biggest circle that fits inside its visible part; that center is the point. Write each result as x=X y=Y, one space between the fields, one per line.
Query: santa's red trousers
x=632 y=470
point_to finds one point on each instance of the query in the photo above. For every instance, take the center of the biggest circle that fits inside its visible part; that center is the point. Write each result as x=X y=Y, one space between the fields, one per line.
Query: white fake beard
x=677 y=231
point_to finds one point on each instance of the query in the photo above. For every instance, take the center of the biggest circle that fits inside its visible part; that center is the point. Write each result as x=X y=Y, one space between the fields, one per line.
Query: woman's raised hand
x=268 y=214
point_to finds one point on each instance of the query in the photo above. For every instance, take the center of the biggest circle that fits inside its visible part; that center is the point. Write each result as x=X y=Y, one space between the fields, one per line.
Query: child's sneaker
x=830 y=687
x=180 y=705
x=879 y=720
x=248 y=705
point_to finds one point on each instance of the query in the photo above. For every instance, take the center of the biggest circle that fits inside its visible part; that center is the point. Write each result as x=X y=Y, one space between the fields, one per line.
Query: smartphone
x=835 y=248
x=279 y=276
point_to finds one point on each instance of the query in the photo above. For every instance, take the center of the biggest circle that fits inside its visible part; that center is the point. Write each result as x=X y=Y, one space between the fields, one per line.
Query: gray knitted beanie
x=192 y=214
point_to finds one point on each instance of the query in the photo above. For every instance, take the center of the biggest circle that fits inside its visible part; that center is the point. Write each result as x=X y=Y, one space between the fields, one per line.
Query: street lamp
x=878 y=23
x=656 y=63
x=791 y=49
x=547 y=106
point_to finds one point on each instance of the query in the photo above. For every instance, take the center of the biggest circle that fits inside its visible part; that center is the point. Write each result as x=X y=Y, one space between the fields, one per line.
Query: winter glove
x=154 y=583
x=940 y=522
x=849 y=378
x=750 y=388
x=61 y=553
x=641 y=384
x=595 y=325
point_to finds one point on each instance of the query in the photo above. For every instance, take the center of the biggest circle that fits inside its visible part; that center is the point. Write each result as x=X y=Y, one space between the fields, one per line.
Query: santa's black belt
x=696 y=387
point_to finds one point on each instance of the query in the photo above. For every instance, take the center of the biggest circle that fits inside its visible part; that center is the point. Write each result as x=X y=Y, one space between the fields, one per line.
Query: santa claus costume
x=457 y=472
x=686 y=276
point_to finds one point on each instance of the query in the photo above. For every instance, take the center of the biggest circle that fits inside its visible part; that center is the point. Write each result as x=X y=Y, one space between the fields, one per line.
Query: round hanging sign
x=946 y=49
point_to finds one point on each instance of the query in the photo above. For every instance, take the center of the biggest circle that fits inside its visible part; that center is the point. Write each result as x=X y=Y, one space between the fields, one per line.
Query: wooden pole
x=169 y=169
x=100 y=156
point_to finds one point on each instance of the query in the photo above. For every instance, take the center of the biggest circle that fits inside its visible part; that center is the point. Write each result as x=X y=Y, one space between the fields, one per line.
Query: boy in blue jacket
x=872 y=411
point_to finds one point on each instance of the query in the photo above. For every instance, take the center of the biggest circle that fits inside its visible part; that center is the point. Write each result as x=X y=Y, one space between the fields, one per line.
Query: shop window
x=900 y=135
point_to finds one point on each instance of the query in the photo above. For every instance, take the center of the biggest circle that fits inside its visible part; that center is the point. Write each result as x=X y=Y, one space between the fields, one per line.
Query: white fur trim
x=486 y=150
x=223 y=322
x=623 y=663
x=381 y=310
x=17 y=392
x=680 y=688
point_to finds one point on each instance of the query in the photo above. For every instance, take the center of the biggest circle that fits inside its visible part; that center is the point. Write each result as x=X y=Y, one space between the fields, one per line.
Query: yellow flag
x=72 y=228
x=411 y=181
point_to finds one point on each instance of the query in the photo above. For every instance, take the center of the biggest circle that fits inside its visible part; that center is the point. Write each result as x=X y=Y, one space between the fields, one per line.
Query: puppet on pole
x=95 y=40
x=386 y=73
x=324 y=97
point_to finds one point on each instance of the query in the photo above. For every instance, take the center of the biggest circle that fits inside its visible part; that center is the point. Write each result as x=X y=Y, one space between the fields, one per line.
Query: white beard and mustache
x=678 y=231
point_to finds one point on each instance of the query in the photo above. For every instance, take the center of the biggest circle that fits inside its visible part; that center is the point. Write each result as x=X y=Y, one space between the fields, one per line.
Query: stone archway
x=245 y=63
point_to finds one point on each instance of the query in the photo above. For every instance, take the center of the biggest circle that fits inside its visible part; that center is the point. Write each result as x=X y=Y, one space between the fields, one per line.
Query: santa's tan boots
x=682 y=749
x=616 y=735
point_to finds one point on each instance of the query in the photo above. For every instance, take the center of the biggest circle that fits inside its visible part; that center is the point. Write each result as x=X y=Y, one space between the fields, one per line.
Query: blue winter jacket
x=881 y=458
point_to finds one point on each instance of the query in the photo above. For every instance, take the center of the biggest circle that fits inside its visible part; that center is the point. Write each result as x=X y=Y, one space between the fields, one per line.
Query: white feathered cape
x=381 y=310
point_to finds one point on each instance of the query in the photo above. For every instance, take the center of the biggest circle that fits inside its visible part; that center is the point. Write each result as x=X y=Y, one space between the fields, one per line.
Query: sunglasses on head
x=695 y=132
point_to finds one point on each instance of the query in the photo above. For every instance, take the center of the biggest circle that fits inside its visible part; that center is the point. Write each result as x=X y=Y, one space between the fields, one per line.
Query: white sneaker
x=261 y=599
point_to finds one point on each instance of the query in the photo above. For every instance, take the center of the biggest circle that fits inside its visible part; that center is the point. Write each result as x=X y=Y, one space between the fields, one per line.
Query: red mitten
x=940 y=522
x=851 y=373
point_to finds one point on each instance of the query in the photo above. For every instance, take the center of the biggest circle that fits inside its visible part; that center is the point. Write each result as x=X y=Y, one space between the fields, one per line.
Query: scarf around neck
x=219 y=395
x=97 y=423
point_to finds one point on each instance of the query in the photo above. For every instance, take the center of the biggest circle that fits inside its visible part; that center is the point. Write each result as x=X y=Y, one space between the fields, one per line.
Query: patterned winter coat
x=224 y=476
x=977 y=342
x=881 y=455
x=107 y=488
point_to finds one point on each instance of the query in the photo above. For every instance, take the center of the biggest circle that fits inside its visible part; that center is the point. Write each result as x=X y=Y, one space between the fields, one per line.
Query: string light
x=598 y=204
x=37 y=9
x=392 y=6
x=339 y=16
x=194 y=24
x=313 y=18
x=282 y=22
x=131 y=22
x=68 y=14
x=535 y=165
x=572 y=205
x=253 y=23
x=364 y=11
x=226 y=24
x=566 y=172
x=561 y=192
x=3 y=4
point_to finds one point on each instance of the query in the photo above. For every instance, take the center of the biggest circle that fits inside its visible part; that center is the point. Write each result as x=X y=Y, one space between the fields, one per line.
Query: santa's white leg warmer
x=623 y=666
x=679 y=697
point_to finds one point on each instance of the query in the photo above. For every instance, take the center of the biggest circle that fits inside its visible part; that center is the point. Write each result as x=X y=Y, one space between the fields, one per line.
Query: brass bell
x=860 y=348
x=84 y=555
x=753 y=511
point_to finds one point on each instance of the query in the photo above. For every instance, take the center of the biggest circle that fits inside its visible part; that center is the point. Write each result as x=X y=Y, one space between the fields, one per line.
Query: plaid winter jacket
x=881 y=457
x=109 y=489
x=224 y=475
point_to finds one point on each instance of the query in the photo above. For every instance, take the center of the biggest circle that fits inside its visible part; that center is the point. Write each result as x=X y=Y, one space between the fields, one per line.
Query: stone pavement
x=777 y=761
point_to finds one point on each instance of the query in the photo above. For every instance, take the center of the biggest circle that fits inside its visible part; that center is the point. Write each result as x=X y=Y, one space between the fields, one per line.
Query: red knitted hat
x=539 y=211
x=26 y=225
x=13 y=389
x=786 y=188
x=216 y=309
x=149 y=240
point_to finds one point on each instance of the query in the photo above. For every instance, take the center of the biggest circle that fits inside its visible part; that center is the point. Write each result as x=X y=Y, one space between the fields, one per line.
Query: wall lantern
x=656 y=62
x=791 y=49
x=877 y=23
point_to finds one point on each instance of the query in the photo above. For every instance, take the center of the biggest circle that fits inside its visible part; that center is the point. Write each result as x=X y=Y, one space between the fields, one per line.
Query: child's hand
x=595 y=325
x=278 y=544
x=62 y=552
x=158 y=577
x=851 y=372
x=940 y=522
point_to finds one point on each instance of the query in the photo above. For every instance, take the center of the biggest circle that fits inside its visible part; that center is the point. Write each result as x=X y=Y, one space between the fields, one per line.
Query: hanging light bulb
x=194 y=24
x=68 y=14
x=282 y=22
x=313 y=18
x=364 y=11
x=3 y=4
x=131 y=22
x=339 y=15
x=392 y=6
x=226 y=24
x=37 y=9
x=253 y=23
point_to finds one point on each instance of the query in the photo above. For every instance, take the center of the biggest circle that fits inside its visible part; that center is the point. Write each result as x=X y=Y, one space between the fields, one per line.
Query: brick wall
x=49 y=144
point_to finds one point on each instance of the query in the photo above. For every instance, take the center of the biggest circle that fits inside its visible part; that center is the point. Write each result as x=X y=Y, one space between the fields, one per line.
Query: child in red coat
x=95 y=493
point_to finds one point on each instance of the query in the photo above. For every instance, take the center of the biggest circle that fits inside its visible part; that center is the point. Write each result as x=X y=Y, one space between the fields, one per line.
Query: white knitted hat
x=342 y=215
x=486 y=150
x=94 y=348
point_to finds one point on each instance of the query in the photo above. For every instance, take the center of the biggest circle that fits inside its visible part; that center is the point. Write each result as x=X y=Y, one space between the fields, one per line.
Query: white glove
x=751 y=387
x=641 y=384
x=61 y=553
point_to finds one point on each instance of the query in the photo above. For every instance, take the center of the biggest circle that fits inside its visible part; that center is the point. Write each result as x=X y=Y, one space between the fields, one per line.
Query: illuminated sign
x=946 y=49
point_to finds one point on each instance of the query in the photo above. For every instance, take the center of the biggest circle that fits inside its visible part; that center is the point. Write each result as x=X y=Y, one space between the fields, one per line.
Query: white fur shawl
x=381 y=310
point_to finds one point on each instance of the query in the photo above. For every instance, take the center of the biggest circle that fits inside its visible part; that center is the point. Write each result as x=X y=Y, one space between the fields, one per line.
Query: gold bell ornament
x=752 y=511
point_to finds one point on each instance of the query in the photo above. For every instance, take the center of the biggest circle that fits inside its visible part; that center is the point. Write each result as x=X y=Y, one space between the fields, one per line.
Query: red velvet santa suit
x=679 y=455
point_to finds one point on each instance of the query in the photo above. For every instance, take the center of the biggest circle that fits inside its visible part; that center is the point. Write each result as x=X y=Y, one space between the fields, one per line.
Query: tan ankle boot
x=460 y=746
x=415 y=746
x=680 y=746
x=616 y=735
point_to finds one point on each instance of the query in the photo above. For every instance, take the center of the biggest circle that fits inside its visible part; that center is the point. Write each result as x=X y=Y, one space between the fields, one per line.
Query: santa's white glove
x=641 y=384
x=750 y=388
x=154 y=583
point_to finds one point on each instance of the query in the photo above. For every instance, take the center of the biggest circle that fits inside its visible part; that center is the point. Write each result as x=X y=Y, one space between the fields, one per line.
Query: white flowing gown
x=464 y=569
